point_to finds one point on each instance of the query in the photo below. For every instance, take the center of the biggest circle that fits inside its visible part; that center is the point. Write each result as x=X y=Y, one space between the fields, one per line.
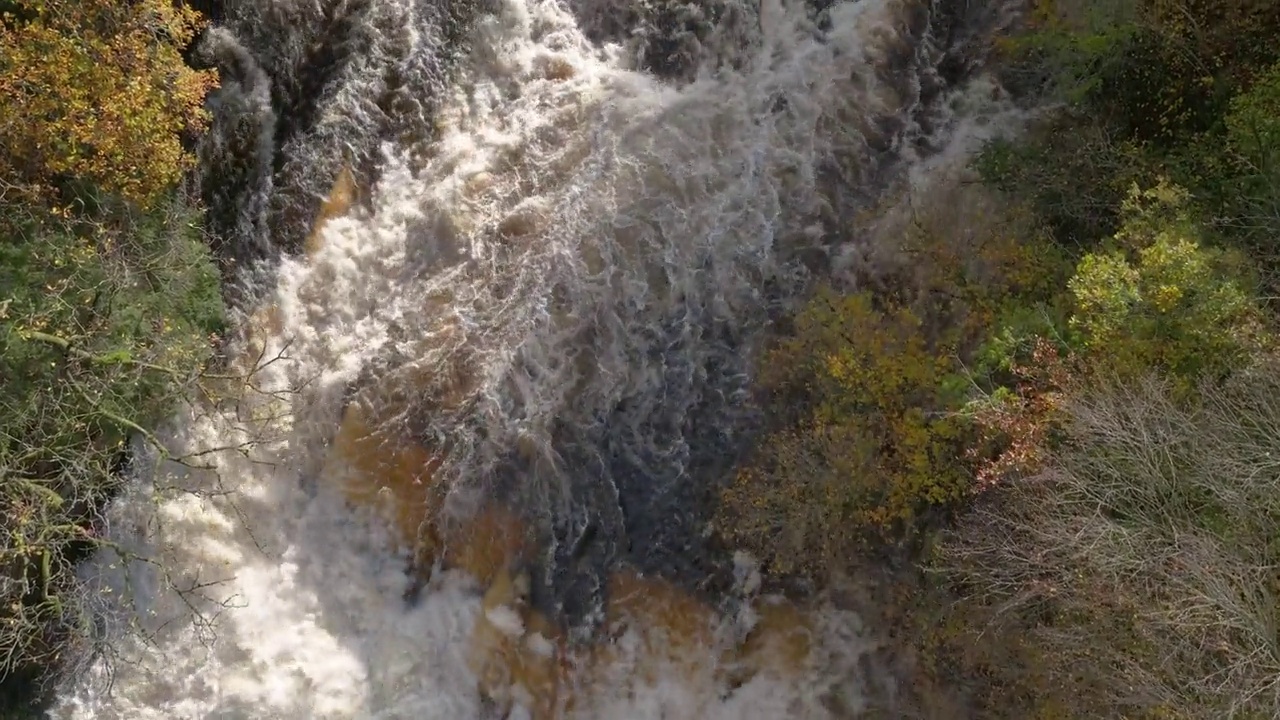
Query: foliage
x=96 y=90
x=1162 y=300
x=1229 y=40
x=1122 y=563
x=1071 y=171
x=1067 y=48
x=1018 y=423
x=1100 y=428
x=1146 y=87
x=880 y=447
x=1252 y=178
x=1158 y=70
x=108 y=297
x=104 y=323
x=1155 y=300
x=1253 y=128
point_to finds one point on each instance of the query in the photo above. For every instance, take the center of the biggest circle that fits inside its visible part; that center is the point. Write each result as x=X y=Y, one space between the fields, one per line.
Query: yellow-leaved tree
x=1162 y=300
x=871 y=443
x=97 y=91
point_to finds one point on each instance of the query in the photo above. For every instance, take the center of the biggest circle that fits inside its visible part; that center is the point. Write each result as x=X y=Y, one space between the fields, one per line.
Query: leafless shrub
x=1148 y=557
x=54 y=494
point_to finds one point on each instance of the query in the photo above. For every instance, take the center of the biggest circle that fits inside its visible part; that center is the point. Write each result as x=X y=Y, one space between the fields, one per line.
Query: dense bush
x=1161 y=300
x=1073 y=174
x=1246 y=184
x=108 y=297
x=1146 y=88
x=878 y=448
x=1151 y=299
x=96 y=91
x=949 y=379
x=103 y=326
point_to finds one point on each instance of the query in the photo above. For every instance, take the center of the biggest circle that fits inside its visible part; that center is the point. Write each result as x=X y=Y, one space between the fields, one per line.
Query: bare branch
x=1153 y=543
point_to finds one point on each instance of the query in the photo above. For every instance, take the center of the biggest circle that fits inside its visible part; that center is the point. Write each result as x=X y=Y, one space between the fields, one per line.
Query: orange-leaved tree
x=97 y=91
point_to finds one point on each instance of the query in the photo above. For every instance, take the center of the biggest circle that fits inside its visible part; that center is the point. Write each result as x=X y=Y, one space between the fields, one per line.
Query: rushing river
x=559 y=232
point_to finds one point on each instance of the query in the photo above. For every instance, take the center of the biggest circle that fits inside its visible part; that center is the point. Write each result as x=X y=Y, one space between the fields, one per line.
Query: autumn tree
x=109 y=300
x=1162 y=300
x=881 y=377
x=96 y=91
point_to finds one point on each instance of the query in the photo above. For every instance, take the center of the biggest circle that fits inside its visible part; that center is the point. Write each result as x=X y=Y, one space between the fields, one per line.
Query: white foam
x=567 y=200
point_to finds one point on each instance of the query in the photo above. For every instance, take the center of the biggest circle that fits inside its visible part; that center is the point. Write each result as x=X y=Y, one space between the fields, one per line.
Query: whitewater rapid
x=561 y=285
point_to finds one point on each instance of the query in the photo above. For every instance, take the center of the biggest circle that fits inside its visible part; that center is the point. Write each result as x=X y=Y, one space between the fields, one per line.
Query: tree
x=104 y=327
x=1161 y=300
x=96 y=91
x=1253 y=188
x=870 y=385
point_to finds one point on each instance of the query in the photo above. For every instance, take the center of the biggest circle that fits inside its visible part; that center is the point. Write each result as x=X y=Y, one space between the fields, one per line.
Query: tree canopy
x=96 y=91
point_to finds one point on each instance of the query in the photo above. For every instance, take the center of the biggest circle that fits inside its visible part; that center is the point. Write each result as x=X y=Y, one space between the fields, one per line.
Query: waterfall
x=556 y=235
